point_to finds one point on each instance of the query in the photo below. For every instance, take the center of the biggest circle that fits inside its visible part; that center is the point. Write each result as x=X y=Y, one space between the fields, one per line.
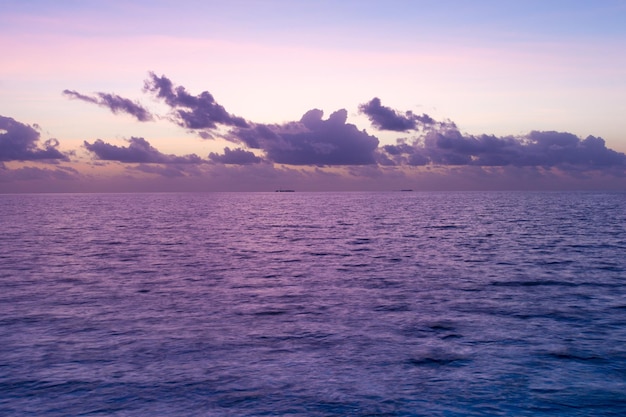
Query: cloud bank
x=315 y=141
x=441 y=143
x=314 y=152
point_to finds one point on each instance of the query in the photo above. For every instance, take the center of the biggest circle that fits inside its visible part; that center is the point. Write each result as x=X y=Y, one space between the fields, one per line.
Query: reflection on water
x=313 y=304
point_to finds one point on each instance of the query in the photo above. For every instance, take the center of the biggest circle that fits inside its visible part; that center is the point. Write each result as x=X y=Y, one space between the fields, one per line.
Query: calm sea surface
x=313 y=304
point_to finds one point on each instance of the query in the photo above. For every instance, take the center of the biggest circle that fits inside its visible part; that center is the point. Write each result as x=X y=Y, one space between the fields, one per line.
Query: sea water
x=313 y=304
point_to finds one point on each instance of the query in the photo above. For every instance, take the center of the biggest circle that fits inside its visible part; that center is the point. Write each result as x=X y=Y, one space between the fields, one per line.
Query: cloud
x=556 y=148
x=139 y=150
x=316 y=149
x=441 y=143
x=192 y=112
x=311 y=141
x=385 y=118
x=38 y=174
x=114 y=103
x=168 y=171
x=543 y=149
x=235 y=157
x=19 y=142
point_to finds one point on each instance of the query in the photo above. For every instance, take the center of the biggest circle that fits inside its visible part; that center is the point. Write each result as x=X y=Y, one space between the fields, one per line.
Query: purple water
x=313 y=304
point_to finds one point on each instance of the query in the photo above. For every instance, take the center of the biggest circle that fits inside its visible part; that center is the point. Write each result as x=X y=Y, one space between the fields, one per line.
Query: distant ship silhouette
x=282 y=190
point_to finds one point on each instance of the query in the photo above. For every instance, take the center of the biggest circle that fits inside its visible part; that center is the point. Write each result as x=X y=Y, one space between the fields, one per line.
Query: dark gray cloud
x=139 y=150
x=115 y=103
x=20 y=142
x=192 y=112
x=235 y=157
x=311 y=141
x=386 y=118
x=544 y=149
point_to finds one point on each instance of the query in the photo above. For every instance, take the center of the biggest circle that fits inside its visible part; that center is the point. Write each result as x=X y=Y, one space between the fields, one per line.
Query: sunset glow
x=487 y=75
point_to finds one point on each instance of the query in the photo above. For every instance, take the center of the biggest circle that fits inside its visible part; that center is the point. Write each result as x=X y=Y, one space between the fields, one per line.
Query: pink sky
x=487 y=76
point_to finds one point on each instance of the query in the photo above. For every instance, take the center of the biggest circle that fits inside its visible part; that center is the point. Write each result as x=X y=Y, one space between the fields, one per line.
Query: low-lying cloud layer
x=329 y=150
x=139 y=150
x=313 y=140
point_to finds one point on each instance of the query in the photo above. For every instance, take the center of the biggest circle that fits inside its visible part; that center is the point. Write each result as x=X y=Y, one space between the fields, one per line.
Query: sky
x=119 y=96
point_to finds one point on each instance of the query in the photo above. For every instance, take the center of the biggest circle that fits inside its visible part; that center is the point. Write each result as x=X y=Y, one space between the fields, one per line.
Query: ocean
x=313 y=304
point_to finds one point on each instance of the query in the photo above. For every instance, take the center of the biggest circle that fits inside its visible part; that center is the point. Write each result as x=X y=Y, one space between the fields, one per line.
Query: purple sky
x=255 y=96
